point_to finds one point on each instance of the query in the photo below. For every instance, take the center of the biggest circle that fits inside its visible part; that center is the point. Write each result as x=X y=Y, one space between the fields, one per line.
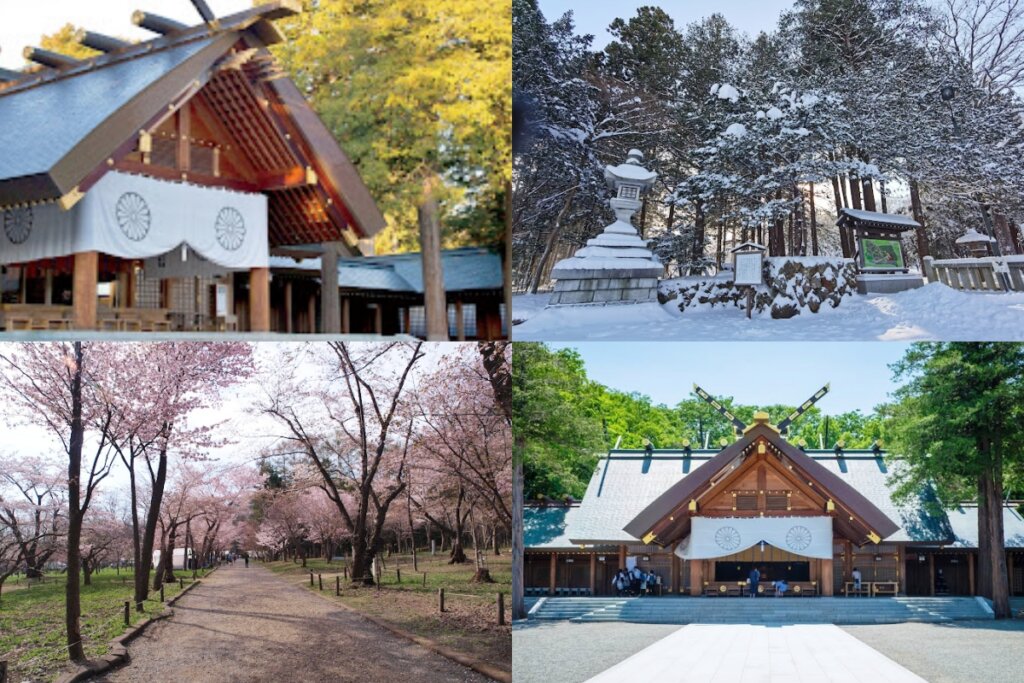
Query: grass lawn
x=470 y=621
x=32 y=636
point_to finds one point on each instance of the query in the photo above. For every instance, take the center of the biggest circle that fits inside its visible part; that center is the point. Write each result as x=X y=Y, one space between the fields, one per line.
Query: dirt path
x=248 y=625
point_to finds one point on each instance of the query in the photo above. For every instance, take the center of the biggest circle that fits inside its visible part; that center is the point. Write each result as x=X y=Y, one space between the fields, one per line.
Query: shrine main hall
x=702 y=519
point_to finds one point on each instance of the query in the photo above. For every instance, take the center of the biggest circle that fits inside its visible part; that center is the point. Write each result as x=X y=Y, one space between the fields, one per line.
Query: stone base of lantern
x=606 y=290
x=888 y=283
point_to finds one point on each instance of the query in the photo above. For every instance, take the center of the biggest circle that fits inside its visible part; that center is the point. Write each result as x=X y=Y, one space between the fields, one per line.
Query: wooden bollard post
x=127 y=613
x=181 y=583
x=501 y=609
x=320 y=578
x=3 y=672
x=424 y=579
x=440 y=599
x=345 y=571
x=161 y=592
x=337 y=585
x=398 y=574
x=311 y=579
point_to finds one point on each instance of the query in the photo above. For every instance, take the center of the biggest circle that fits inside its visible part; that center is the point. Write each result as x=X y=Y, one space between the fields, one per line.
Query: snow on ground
x=932 y=312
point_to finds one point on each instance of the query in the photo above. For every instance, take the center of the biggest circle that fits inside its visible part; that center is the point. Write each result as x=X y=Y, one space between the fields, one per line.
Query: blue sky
x=593 y=17
x=754 y=373
x=23 y=23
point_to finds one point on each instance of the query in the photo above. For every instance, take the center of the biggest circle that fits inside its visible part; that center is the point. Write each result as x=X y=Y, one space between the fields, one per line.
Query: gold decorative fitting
x=693 y=505
x=70 y=199
x=761 y=449
x=145 y=142
x=830 y=506
x=311 y=177
x=649 y=537
x=110 y=162
x=875 y=538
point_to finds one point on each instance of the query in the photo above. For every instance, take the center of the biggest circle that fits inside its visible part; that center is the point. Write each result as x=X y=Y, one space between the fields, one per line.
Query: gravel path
x=570 y=653
x=958 y=652
x=248 y=625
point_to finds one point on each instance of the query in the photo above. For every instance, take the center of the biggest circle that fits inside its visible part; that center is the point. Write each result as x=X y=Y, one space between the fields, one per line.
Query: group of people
x=635 y=581
x=780 y=586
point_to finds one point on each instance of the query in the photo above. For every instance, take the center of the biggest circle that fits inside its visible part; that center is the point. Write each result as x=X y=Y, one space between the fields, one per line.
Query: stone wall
x=792 y=284
x=604 y=290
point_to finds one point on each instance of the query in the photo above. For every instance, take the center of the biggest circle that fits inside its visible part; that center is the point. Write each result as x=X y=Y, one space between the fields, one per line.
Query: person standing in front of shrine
x=753 y=579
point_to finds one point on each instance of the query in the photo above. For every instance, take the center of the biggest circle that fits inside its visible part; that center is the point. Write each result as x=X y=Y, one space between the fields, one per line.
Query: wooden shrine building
x=146 y=188
x=701 y=519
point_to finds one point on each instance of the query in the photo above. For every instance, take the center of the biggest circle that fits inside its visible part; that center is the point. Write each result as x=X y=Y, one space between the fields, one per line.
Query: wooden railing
x=987 y=274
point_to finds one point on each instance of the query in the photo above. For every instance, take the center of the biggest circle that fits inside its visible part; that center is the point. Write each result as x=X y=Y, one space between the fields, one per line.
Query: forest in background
x=569 y=420
x=889 y=105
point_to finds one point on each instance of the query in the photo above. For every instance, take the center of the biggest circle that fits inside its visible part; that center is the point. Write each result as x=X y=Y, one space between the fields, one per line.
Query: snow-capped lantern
x=629 y=180
x=617 y=266
x=976 y=244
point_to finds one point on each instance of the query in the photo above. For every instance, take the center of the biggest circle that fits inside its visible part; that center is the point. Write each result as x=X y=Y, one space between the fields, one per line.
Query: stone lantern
x=976 y=244
x=617 y=266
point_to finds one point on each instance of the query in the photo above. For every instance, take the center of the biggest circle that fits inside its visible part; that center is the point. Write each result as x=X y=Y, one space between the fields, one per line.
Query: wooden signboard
x=748 y=267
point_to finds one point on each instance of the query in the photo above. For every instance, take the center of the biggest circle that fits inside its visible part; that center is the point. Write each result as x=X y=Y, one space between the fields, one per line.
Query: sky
x=593 y=16
x=759 y=373
x=23 y=22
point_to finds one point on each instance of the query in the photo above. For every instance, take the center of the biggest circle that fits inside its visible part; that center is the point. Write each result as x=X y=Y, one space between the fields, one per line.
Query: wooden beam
x=259 y=299
x=8 y=76
x=289 y=295
x=162 y=173
x=827 y=588
x=53 y=60
x=552 y=573
x=593 y=573
x=697 y=577
x=83 y=289
x=205 y=12
x=156 y=23
x=183 y=129
x=931 y=573
x=330 y=307
x=970 y=572
x=102 y=43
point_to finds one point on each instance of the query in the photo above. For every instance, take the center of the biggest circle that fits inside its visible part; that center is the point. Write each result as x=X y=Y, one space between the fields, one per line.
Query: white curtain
x=712 y=537
x=182 y=262
x=134 y=217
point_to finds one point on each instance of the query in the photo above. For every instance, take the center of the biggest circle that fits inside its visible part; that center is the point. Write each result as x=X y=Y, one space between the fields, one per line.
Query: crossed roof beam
x=257 y=17
x=741 y=427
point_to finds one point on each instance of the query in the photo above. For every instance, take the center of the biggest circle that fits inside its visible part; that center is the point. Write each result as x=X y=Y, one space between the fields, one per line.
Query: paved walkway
x=737 y=653
x=248 y=625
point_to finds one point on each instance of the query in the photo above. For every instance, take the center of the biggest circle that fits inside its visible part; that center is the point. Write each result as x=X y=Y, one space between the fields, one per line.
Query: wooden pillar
x=311 y=312
x=259 y=300
x=83 y=289
x=330 y=319
x=48 y=296
x=593 y=572
x=460 y=321
x=407 y=317
x=1009 y=569
x=901 y=567
x=184 y=132
x=622 y=557
x=848 y=560
x=552 y=572
x=288 y=303
x=346 y=315
x=970 y=572
x=676 y=571
x=827 y=577
x=931 y=573
x=378 y=318
x=697 y=577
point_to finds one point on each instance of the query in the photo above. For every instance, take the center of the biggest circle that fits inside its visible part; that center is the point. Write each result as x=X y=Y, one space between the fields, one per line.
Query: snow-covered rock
x=791 y=284
x=736 y=130
x=726 y=92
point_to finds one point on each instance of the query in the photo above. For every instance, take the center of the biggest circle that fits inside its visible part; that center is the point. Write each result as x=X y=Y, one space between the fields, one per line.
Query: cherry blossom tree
x=32 y=492
x=345 y=418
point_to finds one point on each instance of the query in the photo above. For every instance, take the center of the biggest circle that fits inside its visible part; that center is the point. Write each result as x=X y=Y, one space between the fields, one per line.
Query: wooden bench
x=891 y=588
x=35 y=317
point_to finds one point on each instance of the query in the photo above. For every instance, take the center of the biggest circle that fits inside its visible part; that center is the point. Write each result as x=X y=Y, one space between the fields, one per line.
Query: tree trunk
x=86 y=572
x=458 y=555
x=814 y=222
x=869 y=195
x=983 y=577
x=699 y=220
x=72 y=592
x=434 y=297
x=518 y=603
x=918 y=211
x=549 y=245
x=855 y=192
x=997 y=549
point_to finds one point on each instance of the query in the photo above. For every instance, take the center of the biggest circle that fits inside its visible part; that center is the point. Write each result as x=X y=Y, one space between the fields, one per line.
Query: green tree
x=956 y=425
x=557 y=435
x=418 y=95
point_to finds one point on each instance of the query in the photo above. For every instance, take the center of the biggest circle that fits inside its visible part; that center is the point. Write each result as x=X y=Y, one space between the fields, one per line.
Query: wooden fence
x=988 y=274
